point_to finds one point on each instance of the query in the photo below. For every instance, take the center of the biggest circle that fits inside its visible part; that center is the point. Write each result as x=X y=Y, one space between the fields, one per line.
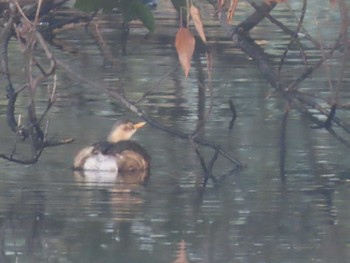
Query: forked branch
x=29 y=39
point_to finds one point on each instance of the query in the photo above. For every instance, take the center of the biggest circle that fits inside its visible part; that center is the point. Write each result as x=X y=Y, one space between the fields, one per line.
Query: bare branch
x=153 y=122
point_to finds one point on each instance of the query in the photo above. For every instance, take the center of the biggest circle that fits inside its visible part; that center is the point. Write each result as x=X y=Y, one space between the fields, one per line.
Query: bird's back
x=130 y=155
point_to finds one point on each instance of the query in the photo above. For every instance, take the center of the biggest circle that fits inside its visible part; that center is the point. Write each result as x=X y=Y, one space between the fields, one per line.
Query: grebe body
x=117 y=154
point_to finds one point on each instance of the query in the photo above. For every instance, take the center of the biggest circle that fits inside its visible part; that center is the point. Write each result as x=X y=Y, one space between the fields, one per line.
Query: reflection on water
x=123 y=182
x=50 y=214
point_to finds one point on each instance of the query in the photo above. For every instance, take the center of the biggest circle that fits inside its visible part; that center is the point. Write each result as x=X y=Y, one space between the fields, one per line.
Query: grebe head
x=124 y=131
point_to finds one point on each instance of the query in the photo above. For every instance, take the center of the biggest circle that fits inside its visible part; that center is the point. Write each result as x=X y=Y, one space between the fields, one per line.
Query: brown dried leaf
x=333 y=3
x=181 y=253
x=196 y=16
x=231 y=10
x=184 y=44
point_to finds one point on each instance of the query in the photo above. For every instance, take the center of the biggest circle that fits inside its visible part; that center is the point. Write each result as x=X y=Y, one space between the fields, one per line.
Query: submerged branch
x=234 y=113
x=283 y=145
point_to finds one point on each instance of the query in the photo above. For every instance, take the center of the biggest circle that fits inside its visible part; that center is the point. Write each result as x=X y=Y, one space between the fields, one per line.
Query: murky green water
x=49 y=215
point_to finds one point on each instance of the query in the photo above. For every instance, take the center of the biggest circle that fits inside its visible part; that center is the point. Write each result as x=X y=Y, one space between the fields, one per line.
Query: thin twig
x=234 y=113
x=150 y=91
x=296 y=39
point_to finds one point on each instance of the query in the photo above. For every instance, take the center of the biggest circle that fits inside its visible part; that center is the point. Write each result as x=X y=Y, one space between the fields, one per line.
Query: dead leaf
x=184 y=44
x=181 y=253
x=334 y=3
x=231 y=10
x=196 y=17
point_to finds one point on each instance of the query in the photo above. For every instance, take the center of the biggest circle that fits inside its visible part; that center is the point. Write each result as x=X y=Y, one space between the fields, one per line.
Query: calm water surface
x=49 y=215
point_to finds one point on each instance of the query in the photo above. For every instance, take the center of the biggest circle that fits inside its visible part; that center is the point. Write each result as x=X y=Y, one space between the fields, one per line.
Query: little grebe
x=118 y=153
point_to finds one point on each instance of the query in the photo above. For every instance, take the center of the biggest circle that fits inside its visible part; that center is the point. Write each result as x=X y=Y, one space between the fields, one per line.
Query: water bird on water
x=117 y=154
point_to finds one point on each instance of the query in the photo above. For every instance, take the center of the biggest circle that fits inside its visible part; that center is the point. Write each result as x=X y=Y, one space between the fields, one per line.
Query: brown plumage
x=118 y=153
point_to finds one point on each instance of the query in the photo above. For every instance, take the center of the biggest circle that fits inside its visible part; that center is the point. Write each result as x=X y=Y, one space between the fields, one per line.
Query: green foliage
x=130 y=9
x=93 y=5
x=137 y=10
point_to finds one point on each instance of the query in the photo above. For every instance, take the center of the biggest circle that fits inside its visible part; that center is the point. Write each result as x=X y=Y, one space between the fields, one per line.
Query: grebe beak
x=139 y=125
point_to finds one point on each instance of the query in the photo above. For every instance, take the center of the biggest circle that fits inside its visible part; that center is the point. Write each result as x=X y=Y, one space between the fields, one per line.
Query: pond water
x=48 y=214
